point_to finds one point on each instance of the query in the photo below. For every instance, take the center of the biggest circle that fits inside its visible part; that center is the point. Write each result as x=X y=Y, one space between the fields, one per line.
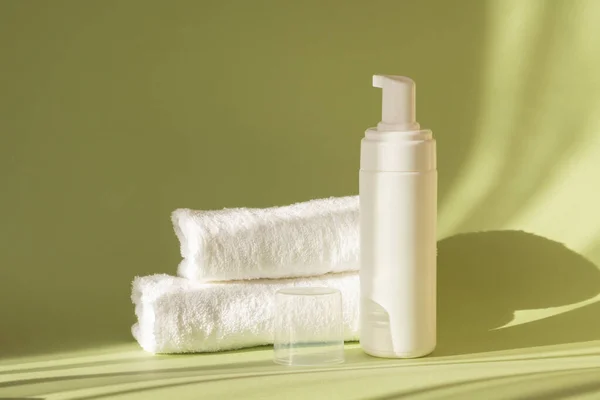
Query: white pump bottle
x=398 y=213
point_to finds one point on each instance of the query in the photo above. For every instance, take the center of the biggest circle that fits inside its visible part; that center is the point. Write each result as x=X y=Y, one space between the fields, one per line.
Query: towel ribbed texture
x=177 y=315
x=304 y=239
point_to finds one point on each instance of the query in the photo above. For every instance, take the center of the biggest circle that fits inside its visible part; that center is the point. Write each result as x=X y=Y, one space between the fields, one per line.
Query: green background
x=114 y=113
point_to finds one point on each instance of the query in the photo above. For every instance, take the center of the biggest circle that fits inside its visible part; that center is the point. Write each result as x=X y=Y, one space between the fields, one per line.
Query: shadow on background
x=484 y=277
x=538 y=136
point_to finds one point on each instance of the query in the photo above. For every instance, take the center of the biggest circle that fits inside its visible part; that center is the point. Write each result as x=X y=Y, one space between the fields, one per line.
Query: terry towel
x=176 y=315
x=304 y=239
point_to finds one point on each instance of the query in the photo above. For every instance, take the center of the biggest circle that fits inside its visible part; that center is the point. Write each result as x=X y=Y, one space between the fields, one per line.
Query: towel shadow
x=484 y=277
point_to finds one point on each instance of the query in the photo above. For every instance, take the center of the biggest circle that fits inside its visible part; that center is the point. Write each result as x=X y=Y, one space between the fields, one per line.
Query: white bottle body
x=398 y=213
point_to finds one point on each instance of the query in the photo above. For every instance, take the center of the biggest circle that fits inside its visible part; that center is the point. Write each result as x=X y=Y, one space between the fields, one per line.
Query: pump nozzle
x=398 y=107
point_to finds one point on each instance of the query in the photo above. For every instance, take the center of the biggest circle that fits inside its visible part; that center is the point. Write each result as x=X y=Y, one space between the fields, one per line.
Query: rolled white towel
x=304 y=239
x=176 y=315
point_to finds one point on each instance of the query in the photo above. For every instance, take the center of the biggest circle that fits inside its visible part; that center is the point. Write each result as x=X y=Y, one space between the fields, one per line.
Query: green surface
x=114 y=113
x=556 y=372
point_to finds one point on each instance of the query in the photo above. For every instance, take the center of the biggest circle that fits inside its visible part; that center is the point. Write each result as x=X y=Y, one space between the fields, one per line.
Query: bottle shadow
x=484 y=277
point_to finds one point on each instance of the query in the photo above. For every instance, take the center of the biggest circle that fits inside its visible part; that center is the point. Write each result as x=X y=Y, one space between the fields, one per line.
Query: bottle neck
x=396 y=127
x=375 y=134
x=412 y=151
